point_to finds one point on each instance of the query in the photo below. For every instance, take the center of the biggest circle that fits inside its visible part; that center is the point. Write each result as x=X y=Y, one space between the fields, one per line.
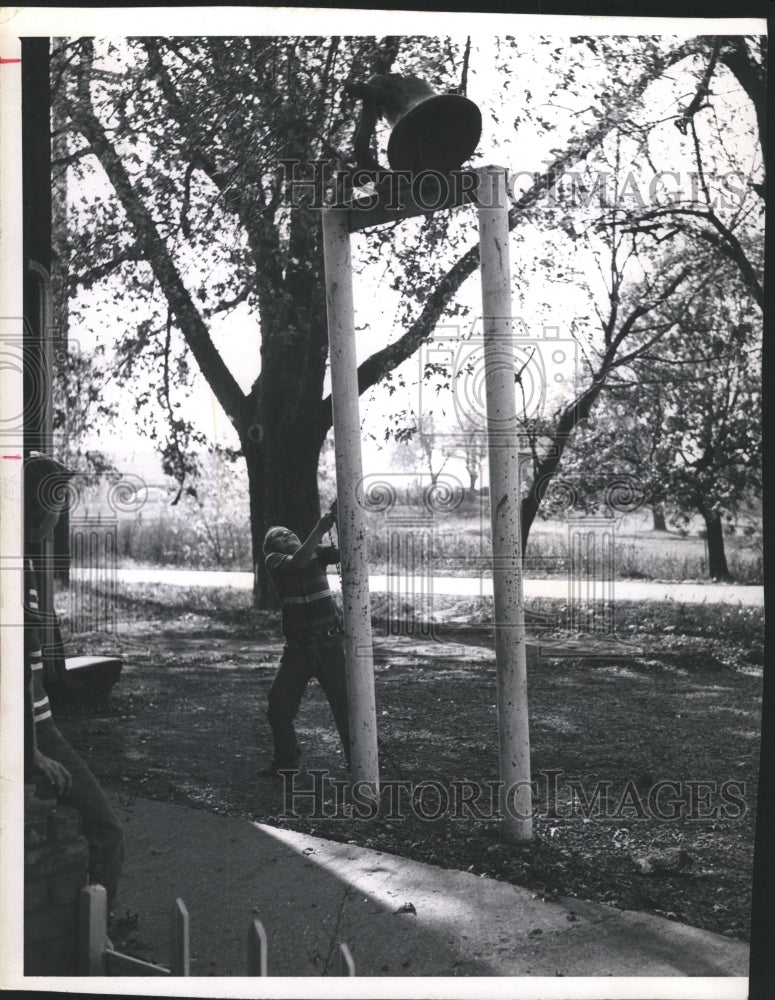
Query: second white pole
x=505 y=498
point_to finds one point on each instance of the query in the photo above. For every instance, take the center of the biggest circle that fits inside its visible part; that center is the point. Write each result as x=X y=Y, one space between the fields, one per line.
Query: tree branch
x=197 y=336
x=100 y=271
x=262 y=237
x=752 y=77
x=726 y=241
x=703 y=91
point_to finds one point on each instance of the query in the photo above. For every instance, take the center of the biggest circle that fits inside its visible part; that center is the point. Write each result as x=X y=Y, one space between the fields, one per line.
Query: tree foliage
x=78 y=404
x=684 y=422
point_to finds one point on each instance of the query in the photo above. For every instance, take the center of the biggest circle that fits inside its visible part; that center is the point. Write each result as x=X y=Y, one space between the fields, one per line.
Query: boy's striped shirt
x=307 y=602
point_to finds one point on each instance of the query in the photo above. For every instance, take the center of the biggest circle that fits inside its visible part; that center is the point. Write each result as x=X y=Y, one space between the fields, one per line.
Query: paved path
x=623 y=590
x=312 y=893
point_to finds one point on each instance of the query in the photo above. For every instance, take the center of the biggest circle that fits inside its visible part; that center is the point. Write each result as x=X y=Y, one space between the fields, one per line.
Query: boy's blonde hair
x=270 y=537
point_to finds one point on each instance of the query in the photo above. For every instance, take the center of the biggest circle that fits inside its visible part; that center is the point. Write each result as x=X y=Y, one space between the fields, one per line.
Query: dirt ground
x=679 y=703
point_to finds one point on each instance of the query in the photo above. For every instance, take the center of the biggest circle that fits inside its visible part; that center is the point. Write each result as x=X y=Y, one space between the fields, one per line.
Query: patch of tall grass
x=456 y=546
x=410 y=538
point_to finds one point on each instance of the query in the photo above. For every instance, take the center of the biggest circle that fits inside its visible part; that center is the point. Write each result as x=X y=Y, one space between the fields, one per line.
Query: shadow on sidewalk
x=398 y=917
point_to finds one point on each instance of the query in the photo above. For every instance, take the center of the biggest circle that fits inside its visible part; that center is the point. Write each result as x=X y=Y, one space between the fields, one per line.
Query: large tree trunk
x=285 y=403
x=545 y=470
x=717 y=560
x=658 y=518
x=283 y=484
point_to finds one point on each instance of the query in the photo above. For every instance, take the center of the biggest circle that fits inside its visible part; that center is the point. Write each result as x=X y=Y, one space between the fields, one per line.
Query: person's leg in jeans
x=331 y=673
x=100 y=827
x=285 y=694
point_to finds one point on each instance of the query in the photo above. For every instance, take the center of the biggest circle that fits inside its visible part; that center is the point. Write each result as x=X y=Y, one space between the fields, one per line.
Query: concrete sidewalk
x=311 y=894
x=459 y=586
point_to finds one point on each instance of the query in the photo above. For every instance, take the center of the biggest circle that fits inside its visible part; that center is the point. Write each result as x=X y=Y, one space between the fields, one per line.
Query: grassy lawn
x=677 y=702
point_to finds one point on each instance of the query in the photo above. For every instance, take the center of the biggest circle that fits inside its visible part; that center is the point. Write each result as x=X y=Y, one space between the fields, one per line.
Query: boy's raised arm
x=308 y=549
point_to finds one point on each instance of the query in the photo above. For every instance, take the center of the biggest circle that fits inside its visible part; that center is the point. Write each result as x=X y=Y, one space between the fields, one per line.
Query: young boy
x=47 y=752
x=313 y=636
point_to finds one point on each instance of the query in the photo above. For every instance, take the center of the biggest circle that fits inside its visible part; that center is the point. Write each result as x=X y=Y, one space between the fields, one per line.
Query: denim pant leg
x=332 y=676
x=100 y=827
x=285 y=694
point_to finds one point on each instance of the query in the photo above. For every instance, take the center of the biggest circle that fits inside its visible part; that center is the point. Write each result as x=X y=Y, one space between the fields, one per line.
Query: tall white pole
x=503 y=453
x=351 y=524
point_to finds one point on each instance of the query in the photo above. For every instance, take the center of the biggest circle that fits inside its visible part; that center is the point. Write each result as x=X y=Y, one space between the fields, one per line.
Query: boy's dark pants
x=321 y=657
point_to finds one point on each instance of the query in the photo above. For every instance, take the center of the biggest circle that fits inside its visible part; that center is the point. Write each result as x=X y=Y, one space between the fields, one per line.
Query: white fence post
x=345 y=964
x=92 y=930
x=257 y=950
x=179 y=947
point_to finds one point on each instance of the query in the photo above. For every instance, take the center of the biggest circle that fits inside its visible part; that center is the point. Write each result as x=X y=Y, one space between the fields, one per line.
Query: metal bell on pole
x=429 y=131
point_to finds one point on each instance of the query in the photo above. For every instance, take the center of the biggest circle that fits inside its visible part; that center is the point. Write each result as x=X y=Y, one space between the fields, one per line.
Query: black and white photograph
x=383 y=546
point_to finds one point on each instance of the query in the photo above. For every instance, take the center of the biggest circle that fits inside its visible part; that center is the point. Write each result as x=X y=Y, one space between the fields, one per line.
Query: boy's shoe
x=295 y=777
x=275 y=768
